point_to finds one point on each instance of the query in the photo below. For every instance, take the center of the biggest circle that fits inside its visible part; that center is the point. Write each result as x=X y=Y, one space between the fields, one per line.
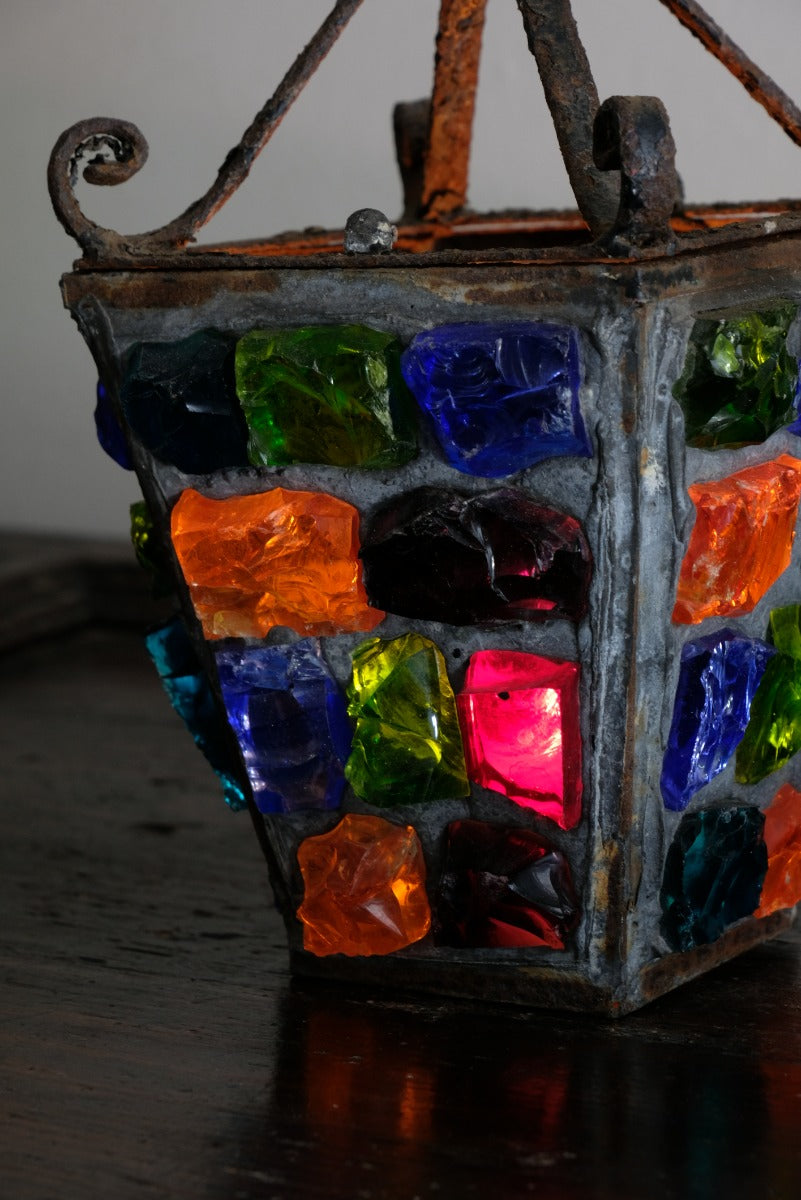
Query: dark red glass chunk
x=437 y=555
x=503 y=887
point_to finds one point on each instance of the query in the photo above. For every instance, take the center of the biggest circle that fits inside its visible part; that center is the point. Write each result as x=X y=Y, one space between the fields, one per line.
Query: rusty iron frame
x=618 y=155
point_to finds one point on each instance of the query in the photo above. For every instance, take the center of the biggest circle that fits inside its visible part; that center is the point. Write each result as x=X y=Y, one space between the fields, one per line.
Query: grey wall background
x=192 y=73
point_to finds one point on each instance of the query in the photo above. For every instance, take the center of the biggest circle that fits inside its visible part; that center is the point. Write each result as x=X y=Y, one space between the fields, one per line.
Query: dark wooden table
x=153 y=1044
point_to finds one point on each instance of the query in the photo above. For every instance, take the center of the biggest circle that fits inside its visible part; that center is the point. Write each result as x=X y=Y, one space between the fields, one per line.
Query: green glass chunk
x=773 y=733
x=150 y=553
x=784 y=630
x=407 y=747
x=325 y=394
x=739 y=383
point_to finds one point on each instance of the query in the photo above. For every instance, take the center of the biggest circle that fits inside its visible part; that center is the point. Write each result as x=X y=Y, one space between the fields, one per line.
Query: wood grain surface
x=153 y=1044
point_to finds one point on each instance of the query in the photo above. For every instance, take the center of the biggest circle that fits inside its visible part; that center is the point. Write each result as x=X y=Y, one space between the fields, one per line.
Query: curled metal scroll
x=632 y=135
x=115 y=150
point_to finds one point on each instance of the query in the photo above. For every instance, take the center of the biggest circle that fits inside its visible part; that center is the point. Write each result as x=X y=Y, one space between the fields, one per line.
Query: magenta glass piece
x=519 y=715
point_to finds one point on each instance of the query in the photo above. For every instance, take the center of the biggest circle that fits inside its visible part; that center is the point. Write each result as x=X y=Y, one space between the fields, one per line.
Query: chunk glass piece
x=325 y=394
x=109 y=431
x=782 y=886
x=713 y=874
x=773 y=733
x=436 y=555
x=784 y=629
x=740 y=383
x=179 y=398
x=276 y=558
x=718 y=677
x=149 y=552
x=519 y=715
x=407 y=748
x=503 y=888
x=290 y=720
x=191 y=696
x=364 y=888
x=741 y=541
x=500 y=397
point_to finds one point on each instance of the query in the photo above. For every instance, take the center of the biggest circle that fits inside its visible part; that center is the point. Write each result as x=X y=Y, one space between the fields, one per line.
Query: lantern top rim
x=619 y=157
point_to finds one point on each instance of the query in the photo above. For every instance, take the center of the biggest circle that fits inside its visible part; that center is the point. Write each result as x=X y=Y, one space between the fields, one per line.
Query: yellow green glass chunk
x=407 y=747
x=740 y=383
x=329 y=394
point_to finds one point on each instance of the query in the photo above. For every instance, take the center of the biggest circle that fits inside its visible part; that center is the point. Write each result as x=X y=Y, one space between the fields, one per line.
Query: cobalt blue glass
x=109 y=430
x=718 y=677
x=291 y=721
x=500 y=397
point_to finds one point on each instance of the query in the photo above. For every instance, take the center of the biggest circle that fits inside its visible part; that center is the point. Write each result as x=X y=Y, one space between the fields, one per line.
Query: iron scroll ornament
x=622 y=135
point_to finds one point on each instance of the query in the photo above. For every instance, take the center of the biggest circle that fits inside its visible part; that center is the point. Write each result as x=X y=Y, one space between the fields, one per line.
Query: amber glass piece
x=277 y=558
x=782 y=886
x=741 y=541
x=364 y=887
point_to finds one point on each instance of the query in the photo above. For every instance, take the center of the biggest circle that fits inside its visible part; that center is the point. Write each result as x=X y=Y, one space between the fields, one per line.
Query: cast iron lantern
x=482 y=537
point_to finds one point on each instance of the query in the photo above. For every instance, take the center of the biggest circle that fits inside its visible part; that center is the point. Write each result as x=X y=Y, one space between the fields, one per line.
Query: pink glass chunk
x=519 y=715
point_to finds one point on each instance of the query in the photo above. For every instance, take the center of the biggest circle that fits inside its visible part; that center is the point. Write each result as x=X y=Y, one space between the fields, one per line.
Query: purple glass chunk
x=718 y=677
x=291 y=722
x=436 y=555
x=109 y=430
x=500 y=397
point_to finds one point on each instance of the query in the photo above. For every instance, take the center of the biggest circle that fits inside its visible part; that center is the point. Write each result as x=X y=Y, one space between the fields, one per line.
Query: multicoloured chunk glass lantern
x=481 y=533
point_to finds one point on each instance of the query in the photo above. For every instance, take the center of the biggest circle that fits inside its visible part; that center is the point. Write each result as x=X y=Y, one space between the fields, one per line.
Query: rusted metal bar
x=445 y=168
x=632 y=135
x=411 y=120
x=573 y=101
x=116 y=150
x=755 y=81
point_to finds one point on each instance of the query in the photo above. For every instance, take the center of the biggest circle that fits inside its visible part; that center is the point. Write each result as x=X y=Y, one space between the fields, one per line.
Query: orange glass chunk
x=277 y=558
x=782 y=886
x=364 y=888
x=741 y=541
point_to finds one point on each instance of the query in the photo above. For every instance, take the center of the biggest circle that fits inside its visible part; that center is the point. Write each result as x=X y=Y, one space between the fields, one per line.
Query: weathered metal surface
x=632 y=135
x=573 y=102
x=447 y=153
x=99 y=138
x=755 y=81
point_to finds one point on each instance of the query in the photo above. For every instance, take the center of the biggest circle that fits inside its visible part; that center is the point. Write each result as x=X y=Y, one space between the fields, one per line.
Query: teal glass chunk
x=407 y=747
x=328 y=394
x=740 y=383
x=191 y=696
x=713 y=874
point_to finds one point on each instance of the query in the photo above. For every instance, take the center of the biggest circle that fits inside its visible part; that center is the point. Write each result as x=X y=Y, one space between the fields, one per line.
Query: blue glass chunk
x=718 y=677
x=713 y=874
x=500 y=397
x=291 y=721
x=180 y=400
x=109 y=430
x=191 y=696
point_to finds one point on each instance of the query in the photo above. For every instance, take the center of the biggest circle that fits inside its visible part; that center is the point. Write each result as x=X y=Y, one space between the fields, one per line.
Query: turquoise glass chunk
x=191 y=696
x=713 y=874
x=328 y=394
x=740 y=383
